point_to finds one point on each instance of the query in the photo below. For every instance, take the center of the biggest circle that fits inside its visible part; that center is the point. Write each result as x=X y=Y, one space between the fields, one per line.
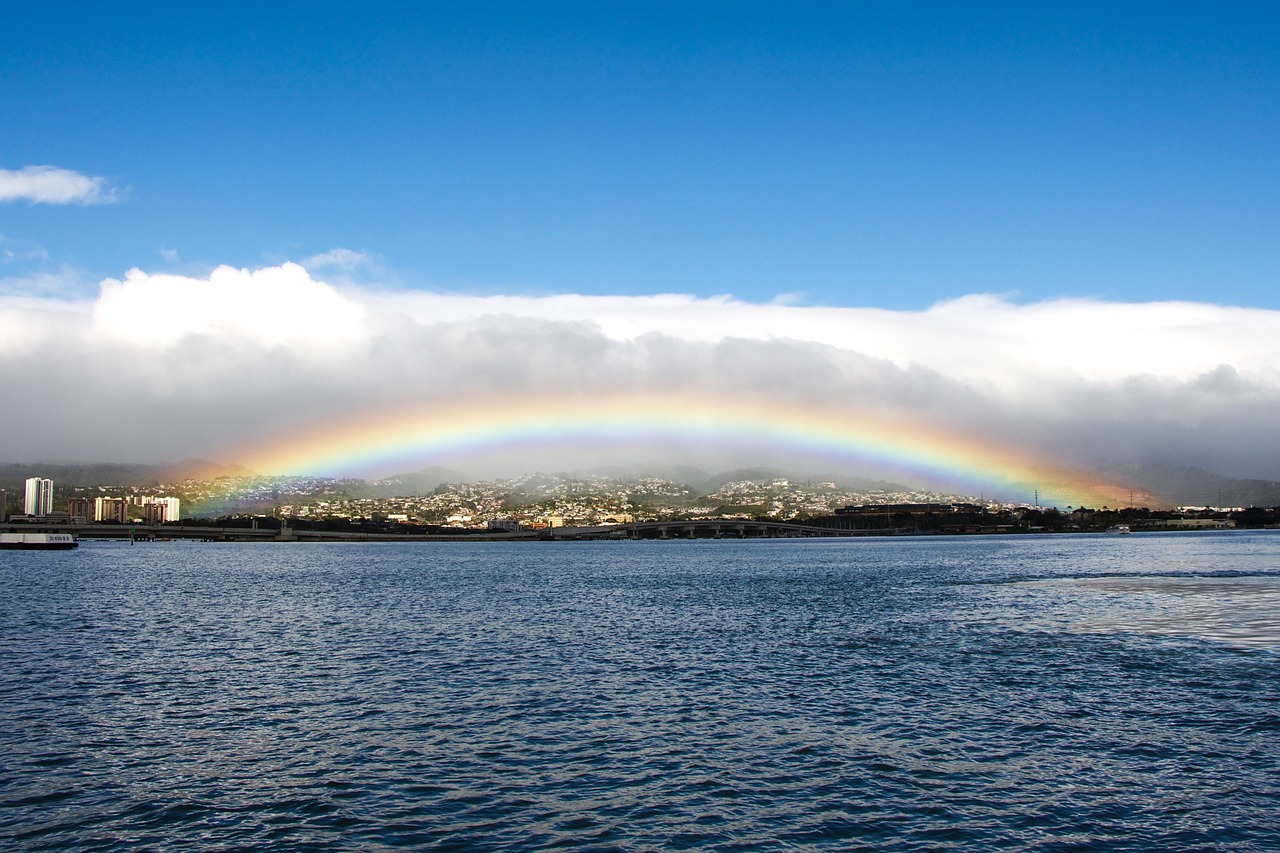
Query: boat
x=38 y=541
x=1119 y=529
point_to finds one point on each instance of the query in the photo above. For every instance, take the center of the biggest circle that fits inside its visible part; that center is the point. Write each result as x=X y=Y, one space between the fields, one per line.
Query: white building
x=170 y=506
x=39 y=497
x=171 y=511
x=111 y=509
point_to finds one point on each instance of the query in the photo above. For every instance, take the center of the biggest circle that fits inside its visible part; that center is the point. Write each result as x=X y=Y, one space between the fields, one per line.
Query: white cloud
x=340 y=259
x=275 y=306
x=168 y=366
x=977 y=339
x=65 y=283
x=13 y=251
x=51 y=185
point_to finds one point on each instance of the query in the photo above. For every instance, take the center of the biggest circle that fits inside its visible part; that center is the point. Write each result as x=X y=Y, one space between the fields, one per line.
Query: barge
x=38 y=541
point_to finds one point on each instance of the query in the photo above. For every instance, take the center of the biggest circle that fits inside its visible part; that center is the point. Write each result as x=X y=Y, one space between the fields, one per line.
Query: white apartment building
x=39 y=496
x=111 y=509
x=171 y=506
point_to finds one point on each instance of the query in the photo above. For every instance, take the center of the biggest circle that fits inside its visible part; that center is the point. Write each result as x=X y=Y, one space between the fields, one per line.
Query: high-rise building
x=171 y=508
x=80 y=508
x=39 y=496
x=111 y=509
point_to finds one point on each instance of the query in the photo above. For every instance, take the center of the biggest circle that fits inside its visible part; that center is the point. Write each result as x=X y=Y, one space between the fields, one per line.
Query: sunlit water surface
x=1053 y=693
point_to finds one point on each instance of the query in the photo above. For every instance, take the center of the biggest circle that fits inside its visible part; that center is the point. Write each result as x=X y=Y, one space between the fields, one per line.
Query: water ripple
x=1045 y=693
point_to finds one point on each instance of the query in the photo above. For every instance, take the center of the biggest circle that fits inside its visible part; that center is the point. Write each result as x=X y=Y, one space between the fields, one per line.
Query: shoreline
x=731 y=529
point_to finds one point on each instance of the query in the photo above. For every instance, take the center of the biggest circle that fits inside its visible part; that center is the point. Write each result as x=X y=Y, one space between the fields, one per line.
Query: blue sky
x=1049 y=228
x=857 y=154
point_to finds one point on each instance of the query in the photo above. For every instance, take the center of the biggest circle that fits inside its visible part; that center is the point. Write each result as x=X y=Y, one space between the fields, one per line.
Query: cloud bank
x=51 y=185
x=161 y=367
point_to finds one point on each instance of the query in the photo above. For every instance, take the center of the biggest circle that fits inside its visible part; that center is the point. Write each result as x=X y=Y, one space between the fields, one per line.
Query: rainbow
x=398 y=441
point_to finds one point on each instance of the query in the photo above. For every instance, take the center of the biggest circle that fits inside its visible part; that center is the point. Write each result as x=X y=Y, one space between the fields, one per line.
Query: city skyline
x=1042 y=234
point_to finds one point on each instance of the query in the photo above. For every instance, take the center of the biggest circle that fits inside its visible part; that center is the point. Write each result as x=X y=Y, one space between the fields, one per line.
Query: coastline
x=734 y=529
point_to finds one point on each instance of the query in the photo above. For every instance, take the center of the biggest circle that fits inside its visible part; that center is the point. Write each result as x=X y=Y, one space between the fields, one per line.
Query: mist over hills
x=696 y=479
x=1174 y=485
x=713 y=482
x=704 y=482
x=413 y=483
x=1186 y=486
x=87 y=474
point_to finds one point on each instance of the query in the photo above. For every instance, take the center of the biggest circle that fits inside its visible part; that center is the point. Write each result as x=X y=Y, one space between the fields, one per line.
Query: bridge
x=722 y=528
x=658 y=530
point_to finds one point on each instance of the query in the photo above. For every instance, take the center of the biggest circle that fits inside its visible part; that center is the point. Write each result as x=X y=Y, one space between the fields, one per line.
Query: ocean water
x=1040 y=693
